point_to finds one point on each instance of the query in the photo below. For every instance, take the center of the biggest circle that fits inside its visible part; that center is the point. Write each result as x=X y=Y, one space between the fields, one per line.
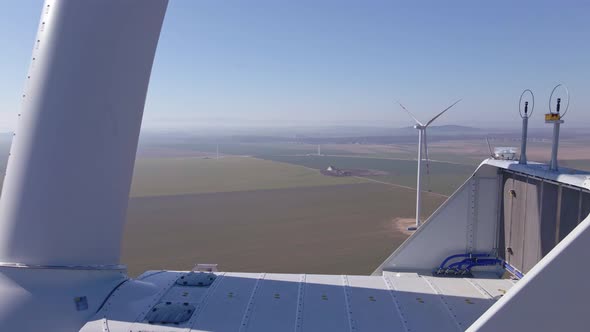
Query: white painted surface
x=445 y=230
x=573 y=177
x=552 y=296
x=66 y=188
x=486 y=214
x=274 y=302
x=419 y=178
x=324 y=306
x=65 y=193
x=44 y=299
x=226 y=308
x=420 y=305
x=372 y=306
x=496 y=288
x=463 y=299
x=276 y=305
x=468 y=221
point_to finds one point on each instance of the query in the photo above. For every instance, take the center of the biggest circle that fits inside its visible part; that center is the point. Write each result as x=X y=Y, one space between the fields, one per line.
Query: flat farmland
x=262 y=149
x=176 y=176
x=445 y=177
x=286 y=148
x=323 y=229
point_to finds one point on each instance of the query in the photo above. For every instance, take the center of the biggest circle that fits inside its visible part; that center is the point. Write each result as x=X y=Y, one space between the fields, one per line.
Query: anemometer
x=526 y=106
x=555 y=117
x=525 y=115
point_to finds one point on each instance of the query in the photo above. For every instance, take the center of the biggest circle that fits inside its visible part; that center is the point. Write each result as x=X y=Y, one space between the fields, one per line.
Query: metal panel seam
x=201 y=305
x=300 y=299
x=479 y=288
x=444 y=302
x=156 y=298
x=392 y=292
x=248 y=310
x=347 y=296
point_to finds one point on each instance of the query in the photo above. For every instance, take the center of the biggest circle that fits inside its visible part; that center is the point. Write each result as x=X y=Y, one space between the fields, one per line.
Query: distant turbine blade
x=427 y=161
x=410 y=113
x=441 y=113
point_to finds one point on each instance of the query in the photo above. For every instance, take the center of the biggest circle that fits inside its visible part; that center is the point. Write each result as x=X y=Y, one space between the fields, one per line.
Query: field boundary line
x=370 y=180
x=400 y=186
x=369 y=157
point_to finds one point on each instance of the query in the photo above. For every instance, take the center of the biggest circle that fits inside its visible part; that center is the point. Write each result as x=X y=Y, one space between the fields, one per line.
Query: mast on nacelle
x=525 y=123
x=556 y=118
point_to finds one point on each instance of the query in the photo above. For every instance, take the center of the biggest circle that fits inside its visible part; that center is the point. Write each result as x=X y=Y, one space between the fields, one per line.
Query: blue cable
x=442 y=265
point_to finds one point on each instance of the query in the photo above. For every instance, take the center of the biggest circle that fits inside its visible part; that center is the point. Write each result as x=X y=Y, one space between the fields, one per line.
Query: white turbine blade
x=427 y=161
x=441 y=113
x=410 y=113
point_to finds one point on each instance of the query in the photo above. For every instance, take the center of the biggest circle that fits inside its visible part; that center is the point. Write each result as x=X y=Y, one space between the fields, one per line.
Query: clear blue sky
x=342 y=62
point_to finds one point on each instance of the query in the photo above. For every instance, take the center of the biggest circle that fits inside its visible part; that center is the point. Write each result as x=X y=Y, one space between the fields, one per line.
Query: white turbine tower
x=422 y=144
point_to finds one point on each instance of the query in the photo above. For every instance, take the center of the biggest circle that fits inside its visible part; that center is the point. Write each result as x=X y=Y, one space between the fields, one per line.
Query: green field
x=176 y=176
x=249 y=214
x=445 y=177
x=289 y=149
x=256 y=149
x=275 y=212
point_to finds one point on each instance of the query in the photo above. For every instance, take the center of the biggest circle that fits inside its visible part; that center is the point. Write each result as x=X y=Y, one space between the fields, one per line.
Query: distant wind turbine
x=422 y=144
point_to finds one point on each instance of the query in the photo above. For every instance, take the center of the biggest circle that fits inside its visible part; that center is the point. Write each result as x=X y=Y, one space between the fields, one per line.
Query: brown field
x=541 y=151
x=478 y=148
x=196 y=175
x=327 y=229
x=171 y=152
x=536 y=150
x=248 y=214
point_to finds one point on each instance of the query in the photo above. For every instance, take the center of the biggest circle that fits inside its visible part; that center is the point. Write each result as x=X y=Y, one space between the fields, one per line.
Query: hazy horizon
x=343 y=63
x=344 y=130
